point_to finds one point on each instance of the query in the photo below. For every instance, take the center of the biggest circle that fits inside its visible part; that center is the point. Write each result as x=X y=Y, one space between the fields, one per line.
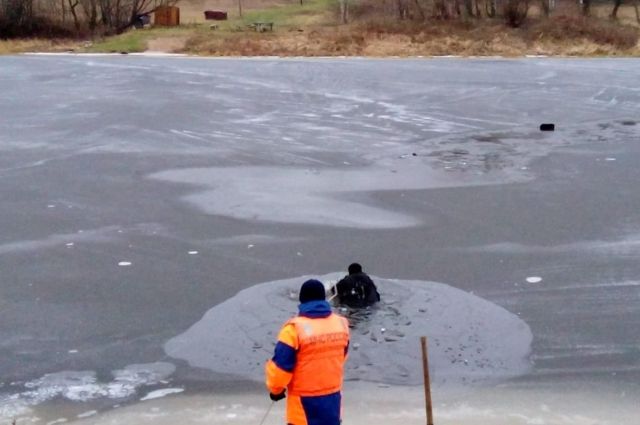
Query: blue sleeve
x=284 y=356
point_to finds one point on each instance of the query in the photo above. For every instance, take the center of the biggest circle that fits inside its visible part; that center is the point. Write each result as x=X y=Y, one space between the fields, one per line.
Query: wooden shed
x=167 y=16
x=216 y=15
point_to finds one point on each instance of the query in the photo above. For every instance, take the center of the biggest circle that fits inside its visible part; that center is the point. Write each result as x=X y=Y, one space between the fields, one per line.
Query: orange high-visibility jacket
x=309 y=362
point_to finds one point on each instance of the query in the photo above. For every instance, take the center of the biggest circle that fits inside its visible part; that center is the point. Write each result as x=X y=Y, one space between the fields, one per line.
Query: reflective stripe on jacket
x=309 y=361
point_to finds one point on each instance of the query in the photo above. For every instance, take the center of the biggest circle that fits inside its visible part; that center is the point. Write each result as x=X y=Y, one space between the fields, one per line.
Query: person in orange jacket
x=308 y=361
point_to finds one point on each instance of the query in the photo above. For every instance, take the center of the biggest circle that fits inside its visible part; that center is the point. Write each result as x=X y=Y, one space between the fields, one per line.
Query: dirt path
x=166 y=44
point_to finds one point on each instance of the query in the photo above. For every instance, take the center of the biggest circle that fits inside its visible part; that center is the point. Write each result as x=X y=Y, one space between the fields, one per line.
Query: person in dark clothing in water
x=357 y=290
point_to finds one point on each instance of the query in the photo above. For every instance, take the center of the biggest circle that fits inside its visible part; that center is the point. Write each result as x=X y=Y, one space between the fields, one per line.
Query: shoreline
x=152 y=54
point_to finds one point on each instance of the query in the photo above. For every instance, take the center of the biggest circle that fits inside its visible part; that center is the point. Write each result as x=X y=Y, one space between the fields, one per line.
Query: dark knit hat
x=312 y=290
x=354 y=268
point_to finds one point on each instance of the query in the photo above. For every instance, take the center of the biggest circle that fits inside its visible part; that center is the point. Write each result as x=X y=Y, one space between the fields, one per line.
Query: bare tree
x=515 y=12
x=344 y=11
x=72 y=8
x=17 y=13
x=545 y=6
x=468 y=7
x=403 y=9
x=440 y=10
x=491 y=8
x=614 y=11
x=420 y=9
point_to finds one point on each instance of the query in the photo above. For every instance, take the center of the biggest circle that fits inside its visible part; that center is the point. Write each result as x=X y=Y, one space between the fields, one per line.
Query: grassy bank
x=312 y=29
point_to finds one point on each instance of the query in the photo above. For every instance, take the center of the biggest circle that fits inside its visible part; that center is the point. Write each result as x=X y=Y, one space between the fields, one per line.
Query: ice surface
x=90 y=141
x=333 y=194
x=470 y=339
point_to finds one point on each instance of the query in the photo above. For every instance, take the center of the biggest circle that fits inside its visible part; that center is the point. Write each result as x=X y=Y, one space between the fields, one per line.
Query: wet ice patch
x=628 y=245
x=470 y=339
x=84 y=386
x=313 y=196
x=99 y=235
x=534 y=279
x=96 y=235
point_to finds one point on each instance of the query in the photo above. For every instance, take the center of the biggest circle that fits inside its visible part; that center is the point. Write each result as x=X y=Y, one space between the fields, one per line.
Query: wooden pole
x=427 y=382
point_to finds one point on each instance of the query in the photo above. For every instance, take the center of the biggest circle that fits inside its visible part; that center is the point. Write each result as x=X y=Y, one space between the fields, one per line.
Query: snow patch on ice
x=161 y=393
x=470 y=339
x=84 y=386
x=87 y=414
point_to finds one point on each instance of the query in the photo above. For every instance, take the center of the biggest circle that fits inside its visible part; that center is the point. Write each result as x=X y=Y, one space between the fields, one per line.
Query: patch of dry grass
x=37 y=45
x=380 y=38
x=562 y=29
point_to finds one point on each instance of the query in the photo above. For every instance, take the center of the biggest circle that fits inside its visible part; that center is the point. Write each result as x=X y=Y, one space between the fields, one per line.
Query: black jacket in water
x=357 y=290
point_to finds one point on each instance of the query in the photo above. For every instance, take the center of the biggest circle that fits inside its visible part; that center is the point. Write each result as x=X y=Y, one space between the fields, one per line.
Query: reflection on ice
x=470 y=338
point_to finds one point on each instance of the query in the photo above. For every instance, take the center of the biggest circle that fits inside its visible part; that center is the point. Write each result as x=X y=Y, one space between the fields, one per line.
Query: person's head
x=355 y=268
x=312 y=290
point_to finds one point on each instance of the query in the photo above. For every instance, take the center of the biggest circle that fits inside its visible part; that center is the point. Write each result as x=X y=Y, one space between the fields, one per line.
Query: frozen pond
x=144 y=198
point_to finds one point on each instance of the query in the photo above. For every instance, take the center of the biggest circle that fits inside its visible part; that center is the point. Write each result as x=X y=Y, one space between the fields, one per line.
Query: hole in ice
x=470 y=337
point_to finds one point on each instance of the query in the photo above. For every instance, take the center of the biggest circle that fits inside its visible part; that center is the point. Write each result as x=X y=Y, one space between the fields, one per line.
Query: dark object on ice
x=215 y=15
x=547 y=127
x=357 y=290
x=312 y=290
